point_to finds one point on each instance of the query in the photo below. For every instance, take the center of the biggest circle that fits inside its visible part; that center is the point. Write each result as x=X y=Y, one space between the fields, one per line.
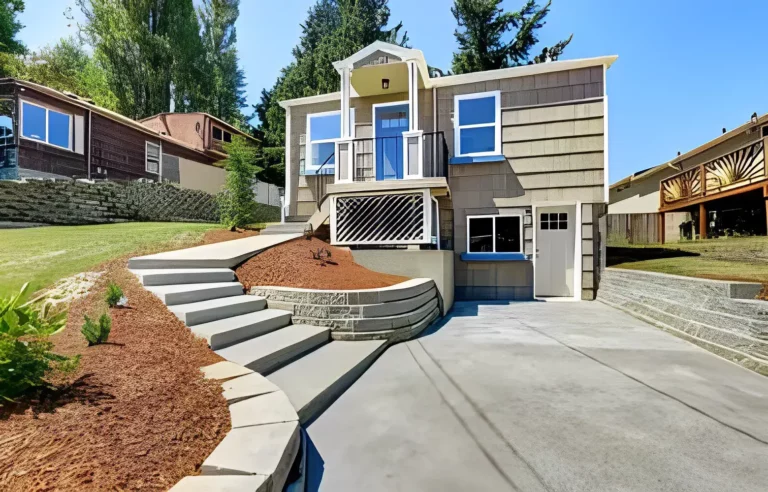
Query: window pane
x=545 y=226
x=6 y=130
x=553 y=217
x=481 y=235
x=508 y=235
x=477 y=111
x=325 y=127
x=473 y=140
x=227 y=137
x=58 y=129
x=544 y=218
x=563 y=216
x=563 y=225
x=322 y=152
x=216 y=133
x=33 y=125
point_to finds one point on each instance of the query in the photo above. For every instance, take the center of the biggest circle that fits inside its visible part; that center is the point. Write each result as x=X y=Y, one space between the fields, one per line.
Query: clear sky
x=686 y=68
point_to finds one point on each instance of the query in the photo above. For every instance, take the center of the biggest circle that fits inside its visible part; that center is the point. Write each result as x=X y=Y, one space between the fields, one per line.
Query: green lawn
x=43 y=255
x=744 y=258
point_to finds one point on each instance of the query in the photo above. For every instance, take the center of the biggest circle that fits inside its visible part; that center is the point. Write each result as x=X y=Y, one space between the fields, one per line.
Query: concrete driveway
x=545 y=396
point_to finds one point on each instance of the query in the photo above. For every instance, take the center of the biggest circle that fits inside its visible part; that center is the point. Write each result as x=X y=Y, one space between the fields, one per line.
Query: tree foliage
x=333 y=30
x=236 y=203
x=482 y=35
x=10 y=27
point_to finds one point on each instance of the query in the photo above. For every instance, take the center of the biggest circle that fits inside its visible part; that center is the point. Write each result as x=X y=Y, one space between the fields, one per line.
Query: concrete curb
x=731 y=288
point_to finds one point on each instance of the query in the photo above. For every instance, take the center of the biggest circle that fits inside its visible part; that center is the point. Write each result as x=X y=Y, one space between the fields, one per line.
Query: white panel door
x=555 y=244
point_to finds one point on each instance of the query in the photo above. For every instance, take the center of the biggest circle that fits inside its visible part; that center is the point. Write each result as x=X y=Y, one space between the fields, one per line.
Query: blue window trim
x=476 y=159
x=493 y=257
x=457 y=128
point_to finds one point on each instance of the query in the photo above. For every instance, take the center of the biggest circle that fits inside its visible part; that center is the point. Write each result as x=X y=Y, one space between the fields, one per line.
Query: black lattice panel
x=380 y=219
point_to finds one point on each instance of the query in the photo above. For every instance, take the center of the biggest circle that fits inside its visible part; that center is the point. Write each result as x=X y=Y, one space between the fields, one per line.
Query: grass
x=43 y=255
x=743 y=258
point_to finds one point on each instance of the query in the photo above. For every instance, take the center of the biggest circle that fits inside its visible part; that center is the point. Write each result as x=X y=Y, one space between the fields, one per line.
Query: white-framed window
x=153 y=154
x=323 y=130
x=477 y=124
x=554 y=221
x=46 y=125
x=221 y=135
x=494 y=234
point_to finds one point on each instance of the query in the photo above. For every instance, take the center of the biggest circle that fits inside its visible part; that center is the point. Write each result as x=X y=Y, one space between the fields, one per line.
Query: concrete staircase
x=294 y=224
x=705 y=311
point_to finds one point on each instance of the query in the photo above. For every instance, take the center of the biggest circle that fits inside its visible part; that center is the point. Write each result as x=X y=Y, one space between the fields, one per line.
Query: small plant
x=25 y=352
x=323 y=255
x=97 y=332
x=114 y=295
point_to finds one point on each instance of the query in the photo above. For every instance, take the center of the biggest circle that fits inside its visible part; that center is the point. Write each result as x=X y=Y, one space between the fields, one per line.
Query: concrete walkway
x=226 y=254
x=545 y=396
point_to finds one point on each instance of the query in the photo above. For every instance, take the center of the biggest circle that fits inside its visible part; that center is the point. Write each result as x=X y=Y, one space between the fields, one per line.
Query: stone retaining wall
x=720 y=316
x=392 y=313
x=67 y=202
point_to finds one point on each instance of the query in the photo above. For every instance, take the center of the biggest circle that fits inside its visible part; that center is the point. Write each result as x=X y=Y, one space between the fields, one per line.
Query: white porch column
x=346 y=127
x=413 y=96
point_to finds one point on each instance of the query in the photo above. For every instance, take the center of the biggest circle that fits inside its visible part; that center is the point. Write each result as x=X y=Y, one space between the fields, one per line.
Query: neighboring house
x=507 y=168
x=47 y=133
x=719 y=188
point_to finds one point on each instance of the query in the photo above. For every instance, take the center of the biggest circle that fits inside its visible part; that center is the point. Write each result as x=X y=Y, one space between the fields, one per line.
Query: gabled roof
x=117 y=117
x=218 y=121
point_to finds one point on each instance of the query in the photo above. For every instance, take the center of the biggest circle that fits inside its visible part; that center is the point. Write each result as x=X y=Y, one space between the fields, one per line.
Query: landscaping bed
x=294 y=264
x=136 y=414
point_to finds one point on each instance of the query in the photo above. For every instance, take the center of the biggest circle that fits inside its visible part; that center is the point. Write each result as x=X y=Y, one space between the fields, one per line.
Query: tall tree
x=10 y=47
x=334 y=30
x=483 y=38
x=225 y=87
x=68 y=67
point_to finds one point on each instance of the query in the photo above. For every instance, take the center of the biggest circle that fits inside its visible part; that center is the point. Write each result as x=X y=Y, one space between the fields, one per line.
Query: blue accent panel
x=493 y=257
x=477 y=111
x=33 y=122
x=325 y=127
x=391 y=122
x=476 y=159
x=58 y=128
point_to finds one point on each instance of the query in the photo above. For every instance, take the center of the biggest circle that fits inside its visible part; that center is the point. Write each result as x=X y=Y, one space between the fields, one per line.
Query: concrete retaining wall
x=391 y=313
x=436 y=265
x=721 y=316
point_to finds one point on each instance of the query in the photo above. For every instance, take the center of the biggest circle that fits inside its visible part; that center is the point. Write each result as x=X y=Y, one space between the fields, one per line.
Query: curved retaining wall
x=718 y=315
x=392 y=313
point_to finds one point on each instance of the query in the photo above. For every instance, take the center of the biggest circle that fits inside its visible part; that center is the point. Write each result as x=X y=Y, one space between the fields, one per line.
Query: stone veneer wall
x=67 y=202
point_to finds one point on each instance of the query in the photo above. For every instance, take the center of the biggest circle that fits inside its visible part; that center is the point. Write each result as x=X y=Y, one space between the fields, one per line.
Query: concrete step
x=287 y=228
x=175 y=276
x=186 y=293
x=196 y=313
x=297 y=218
x=313 y=382
x=229 y=331
x=270 y=351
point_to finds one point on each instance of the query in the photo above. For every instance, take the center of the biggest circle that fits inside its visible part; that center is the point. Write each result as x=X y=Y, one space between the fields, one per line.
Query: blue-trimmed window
x=46 y=125
x=495 y=234
x=323 y=130
x=477 y=124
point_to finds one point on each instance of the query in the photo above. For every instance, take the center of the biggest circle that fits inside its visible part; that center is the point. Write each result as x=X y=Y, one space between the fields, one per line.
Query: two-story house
x=506 y=168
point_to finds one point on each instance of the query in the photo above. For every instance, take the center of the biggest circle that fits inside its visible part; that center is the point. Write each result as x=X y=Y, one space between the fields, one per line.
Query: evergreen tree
x=236 y=203
x=10 y=47
x=483 y=41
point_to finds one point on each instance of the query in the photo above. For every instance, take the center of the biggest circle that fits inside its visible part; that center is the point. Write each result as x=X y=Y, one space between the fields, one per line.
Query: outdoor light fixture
x=754 y=118
x=385 y=84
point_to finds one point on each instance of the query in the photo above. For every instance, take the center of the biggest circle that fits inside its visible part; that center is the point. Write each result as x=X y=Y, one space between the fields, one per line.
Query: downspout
x=437 y=213
x=89 y=151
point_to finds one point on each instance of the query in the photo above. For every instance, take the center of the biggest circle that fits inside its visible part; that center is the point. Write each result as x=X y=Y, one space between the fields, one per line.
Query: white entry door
x=555 y=245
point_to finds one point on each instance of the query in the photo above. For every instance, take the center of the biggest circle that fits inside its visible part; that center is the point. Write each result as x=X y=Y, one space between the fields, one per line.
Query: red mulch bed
x=137 y=414
x=291 y=265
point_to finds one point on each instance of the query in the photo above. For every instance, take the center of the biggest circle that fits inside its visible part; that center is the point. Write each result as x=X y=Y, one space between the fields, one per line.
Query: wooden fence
x=633 y=229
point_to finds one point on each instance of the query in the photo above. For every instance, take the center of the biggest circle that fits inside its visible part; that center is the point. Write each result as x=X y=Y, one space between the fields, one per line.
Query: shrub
x=236 y=203
x=25 y=352
x=114 y=294
x=97 y=332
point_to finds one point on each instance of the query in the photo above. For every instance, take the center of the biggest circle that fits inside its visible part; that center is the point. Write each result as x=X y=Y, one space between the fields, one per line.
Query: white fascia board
x=526 y=70
x=333 y=96
x=393 y=49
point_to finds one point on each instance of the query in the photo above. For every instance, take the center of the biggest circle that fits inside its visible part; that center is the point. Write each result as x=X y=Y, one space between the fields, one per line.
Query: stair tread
x=179 y=276
x=170 y=271
x=214 y=303
x=176 y=288
x=235 y=322
x=306 y=378
x=258 y=348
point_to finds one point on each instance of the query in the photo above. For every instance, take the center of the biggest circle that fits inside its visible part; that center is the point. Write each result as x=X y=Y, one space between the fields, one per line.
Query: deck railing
x=740 y=168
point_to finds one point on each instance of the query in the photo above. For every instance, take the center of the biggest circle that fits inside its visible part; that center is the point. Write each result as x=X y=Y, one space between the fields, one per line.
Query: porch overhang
x=436 y=186
x=368 y=80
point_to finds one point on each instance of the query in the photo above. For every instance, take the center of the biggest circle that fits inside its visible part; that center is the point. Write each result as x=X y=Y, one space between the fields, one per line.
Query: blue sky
x=686 y=68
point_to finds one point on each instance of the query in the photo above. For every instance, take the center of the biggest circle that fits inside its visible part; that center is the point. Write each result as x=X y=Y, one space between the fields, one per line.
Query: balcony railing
x=413 y=155
x=737 y=169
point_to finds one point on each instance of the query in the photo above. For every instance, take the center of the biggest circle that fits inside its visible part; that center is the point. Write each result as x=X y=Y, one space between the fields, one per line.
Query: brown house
x=47 y=133
x=201 y=131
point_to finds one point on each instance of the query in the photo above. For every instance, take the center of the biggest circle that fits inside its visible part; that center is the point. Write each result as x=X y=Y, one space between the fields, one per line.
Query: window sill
x=493 y=257
x=476 y=159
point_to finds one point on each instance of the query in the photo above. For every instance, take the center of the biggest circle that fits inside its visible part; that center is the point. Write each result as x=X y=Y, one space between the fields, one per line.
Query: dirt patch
x=291 y=265
x=69 y=289
x=136 y=415
x=221 y=235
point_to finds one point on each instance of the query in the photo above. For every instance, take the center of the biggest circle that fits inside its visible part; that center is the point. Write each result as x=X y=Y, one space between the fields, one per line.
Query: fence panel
x=633 y=229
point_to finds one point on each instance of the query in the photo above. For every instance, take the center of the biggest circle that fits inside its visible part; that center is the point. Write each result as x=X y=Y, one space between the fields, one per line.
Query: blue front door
x=391 y=122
